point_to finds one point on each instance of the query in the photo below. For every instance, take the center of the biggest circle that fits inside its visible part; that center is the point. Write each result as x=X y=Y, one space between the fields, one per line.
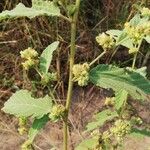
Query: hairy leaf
x=36 y=10
x=37 y=125
x=124 y=40
x=142 y=71
x=114 y=33
x=22 y=104
x=46 y=57
x=135 y=20
x=120 y=98
x=87 y=144
x=107 y=76
x=140 y=133
x=101 y=118
x=147 y=38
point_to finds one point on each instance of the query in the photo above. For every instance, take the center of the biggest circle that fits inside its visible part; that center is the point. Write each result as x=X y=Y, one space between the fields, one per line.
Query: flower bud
x=133 y=50
x=22 y=130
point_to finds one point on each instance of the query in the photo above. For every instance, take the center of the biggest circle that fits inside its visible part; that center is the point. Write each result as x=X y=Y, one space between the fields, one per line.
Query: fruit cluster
x=22 y=129
x=57 y=112
x=137 y=33
x=31 y=58
x=121 y=129
x=81 y=73
x=106 y=41
x=145 y=11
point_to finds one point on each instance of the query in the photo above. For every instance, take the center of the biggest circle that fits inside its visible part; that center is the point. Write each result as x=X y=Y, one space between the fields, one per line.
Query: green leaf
x=87 y=144
x=114 y=33
x=22 y=104
x=48 y=8
x=46 y=57
x=36 y=10
x=142 y=71
x=101 y=118
x=140 y=133
x=135 y=20
x=124 y=40
x=147 y=38
x=37 y=125
x=108 y=76
x=120 y=98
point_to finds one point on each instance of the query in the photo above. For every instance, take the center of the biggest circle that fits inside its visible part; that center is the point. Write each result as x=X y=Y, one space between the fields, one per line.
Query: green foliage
x=46 y=57
x=147 y=38
x=133 y=33
x=101 y=118
x=124 y=40
x=22 y=104
x=120 y=99
x=135 y=20
x=107 y=76
x=37 y=125
x=114 y=33
x=142 y=71
x=123 y=81
x=87 y=144
x=139 y=133
x=38 y=9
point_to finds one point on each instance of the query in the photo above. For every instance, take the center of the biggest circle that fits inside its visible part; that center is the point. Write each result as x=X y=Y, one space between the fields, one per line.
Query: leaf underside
x=46 y=57
x=21 y=104
x=37 y=9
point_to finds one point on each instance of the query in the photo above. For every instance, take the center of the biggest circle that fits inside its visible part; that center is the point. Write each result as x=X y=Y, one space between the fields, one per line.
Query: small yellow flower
x=27 y=145
x=145 y=11
x=81 y=74
x=120 y=129
x=137 y=33
x=22 y=121
x=29 y=63
x=47 y=78
x=57 y=112
x=106 y=136
x=133 y=50
x=29 y=53
x=109 y=101
x=106 y=41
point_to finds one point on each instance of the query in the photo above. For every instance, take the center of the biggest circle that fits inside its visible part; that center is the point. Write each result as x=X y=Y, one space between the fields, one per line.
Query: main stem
x=70 y=85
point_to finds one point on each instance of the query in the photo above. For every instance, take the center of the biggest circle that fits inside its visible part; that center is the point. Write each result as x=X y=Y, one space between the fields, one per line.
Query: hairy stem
x=135 y=55
x=97 y=58
x=134 y=60
x=70 y=85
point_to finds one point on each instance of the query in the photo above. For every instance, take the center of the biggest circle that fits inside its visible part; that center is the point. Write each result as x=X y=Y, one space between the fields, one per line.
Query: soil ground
x=85 y=103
